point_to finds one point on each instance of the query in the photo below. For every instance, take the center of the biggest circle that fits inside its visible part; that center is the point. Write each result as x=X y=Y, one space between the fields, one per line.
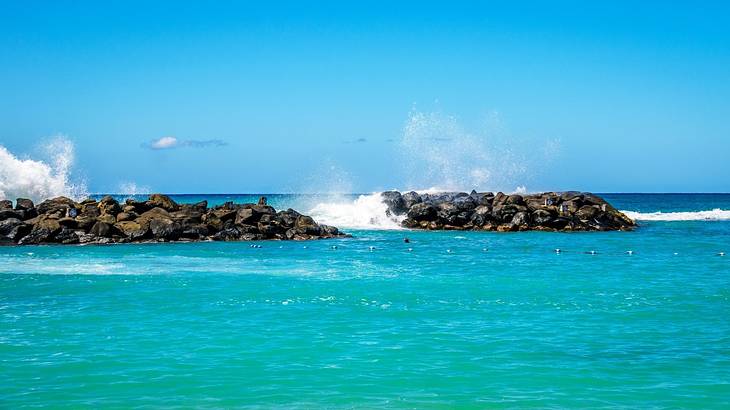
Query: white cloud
x=164 y=143
x=172 y=142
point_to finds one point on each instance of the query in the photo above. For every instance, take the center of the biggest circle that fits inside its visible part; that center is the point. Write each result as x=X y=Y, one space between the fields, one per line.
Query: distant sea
x=449 y=320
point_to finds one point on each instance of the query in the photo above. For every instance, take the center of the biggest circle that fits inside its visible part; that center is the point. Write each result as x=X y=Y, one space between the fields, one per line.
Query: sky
x=238 y=97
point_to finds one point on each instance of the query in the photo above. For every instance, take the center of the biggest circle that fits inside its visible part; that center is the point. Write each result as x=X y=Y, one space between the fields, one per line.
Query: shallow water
x=464 y=319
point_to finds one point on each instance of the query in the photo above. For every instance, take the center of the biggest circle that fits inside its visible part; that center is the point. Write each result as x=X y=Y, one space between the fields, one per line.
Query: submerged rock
x=549 y=211
x=158 y=219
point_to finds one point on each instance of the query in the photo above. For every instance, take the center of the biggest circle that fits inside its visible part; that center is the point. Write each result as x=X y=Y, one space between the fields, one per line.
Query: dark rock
x=67 y=236
x=10 y=214
x=102 y=230
x=411 y=198
x=262 y=200
x=423 y=212
x=68 y=222
x=165 y=228
x=230 y=234
x=306 y=225
x=56 y=205
x=6 y=204
x=24 y=204
x=395 y=202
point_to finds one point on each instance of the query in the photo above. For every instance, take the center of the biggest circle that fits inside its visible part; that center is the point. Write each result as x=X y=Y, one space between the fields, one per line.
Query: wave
x=37 y=179
x=365 y=212
x=710 y=215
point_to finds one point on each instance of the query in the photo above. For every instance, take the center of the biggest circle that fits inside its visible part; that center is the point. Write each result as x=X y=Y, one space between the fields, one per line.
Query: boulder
x=24 y=204
x=395 y=202
x=162 y=201
x=411 y=198
x=43 y=231
x=306 y=225
x=56 y=205
x=6 y=204
x=109 y=206
x=102 y=230
x=11 y=214
x=423 y=212
x=131 y=229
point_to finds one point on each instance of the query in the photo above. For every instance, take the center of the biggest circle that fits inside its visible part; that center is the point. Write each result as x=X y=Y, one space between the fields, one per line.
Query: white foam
x=39 y=180
x=365 y=212
x=710 y=215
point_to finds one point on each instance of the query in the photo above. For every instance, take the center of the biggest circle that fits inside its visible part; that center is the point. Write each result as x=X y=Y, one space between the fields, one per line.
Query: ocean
x=449 y=320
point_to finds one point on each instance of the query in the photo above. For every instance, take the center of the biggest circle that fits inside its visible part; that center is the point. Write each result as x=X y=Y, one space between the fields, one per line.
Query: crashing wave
x=365 y=212
x=39 y=180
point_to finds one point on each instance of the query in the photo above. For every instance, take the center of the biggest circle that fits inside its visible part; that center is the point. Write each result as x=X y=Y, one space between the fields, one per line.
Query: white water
x=365 y=212
x=38 y=179
x=711 y=215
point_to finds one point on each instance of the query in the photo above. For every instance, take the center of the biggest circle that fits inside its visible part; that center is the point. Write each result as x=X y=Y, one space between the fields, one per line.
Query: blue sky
x=316 y=96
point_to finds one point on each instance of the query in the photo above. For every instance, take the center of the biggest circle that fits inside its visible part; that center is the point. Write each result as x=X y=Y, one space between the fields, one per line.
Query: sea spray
x=437 y=151
x=38 y=179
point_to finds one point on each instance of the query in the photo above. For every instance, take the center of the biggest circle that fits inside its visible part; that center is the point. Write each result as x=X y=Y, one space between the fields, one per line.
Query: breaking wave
x=364 y=212
x=711 y=215
x=39 y=179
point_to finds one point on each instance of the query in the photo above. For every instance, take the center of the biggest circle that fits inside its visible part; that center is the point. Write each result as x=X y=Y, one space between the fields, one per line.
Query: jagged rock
x=56 y=205
x=109 y=206
x=550 y=211
x=102 y=229
x=24 y=204
x=62 y=220
x=423 y=212
x=395 y=202
x=10 y=214
x=67 y=236
x=131 y=229
x=6 y=204
x=162 y=201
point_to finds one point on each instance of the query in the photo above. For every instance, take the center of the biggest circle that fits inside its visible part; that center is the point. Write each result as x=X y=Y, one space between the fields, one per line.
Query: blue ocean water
x=449 y=320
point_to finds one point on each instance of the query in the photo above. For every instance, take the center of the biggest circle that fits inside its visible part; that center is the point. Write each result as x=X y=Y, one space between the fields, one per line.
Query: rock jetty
x=158 y=219
x=549 y=211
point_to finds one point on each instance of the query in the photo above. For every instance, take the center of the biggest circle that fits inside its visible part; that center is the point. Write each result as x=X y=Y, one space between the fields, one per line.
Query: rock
x=229 y=234
x=126 y=216
x=43 y=231
x=246 y=216
x=85 y=222
x=56 y=205
x=67 y=236
x=131 y=229
x=6 y=204
x=395 y=202
x=165 y=228
x=306 y=225
x=423 y=212
x=24 y=204
x=548 y=211
x=107 y=219
x=10 y=214
x=411 y=198
x=262 y=200
x=162 y=201
x=13 y=229
x=102 y=229
x=109 y=206
x=68 y=222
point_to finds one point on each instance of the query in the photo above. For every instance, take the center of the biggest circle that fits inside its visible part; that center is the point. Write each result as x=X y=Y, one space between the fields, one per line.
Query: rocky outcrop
x=549 y=211
x=158 y=219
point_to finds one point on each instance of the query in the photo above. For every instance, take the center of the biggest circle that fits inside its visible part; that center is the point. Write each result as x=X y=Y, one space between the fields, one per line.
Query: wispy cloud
x=172 y=142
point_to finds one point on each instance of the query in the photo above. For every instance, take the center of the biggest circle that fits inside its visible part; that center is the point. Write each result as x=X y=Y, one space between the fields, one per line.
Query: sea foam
x=709 y=215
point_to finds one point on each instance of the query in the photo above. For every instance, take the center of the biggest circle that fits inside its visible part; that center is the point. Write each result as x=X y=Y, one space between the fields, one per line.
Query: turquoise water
x=499 y=321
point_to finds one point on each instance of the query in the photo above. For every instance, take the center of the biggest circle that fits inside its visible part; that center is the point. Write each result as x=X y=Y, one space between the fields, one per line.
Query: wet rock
x=423 y=212
x=57 y=205
x=6 y=204
x=109 y=206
